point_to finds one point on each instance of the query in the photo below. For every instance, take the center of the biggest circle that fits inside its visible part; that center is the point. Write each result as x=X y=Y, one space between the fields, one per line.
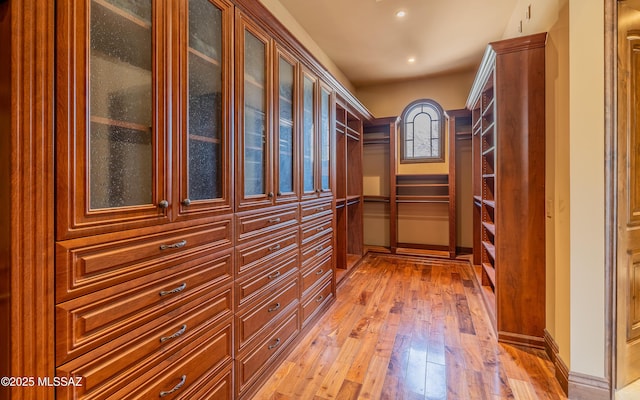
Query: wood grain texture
x=410 y=328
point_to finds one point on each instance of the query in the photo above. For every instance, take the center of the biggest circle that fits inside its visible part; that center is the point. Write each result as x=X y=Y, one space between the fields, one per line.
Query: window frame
x=440 y=157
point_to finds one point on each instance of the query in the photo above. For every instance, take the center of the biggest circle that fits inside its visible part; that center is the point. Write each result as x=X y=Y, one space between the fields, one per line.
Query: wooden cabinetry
x=507 y=101
x=158 y=259
x=144 y=252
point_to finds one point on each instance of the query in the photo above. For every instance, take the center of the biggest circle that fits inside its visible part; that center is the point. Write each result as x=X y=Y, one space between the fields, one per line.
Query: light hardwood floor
x=409 y=328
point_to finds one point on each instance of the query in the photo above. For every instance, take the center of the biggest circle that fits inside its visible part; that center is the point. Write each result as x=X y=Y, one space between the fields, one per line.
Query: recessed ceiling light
x=411 y=60
x=401 y=14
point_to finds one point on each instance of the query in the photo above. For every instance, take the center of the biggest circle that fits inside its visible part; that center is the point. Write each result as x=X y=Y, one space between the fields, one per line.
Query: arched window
x=422 y=132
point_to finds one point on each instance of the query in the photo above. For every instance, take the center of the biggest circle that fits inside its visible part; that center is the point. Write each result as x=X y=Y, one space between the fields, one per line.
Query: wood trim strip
x=32 y=200
x=562 y=371
x=587 y=387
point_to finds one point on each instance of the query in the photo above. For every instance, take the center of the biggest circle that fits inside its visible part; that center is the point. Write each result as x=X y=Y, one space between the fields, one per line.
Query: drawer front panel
x=249 y=366
x=312 y=210
x=313 y=274
x=143 y=359
x=316 y=248
x=88 y=268
x=275 y=273
x=267 y=249
x=315 y=229
x=316 y=300
x=89 y=321
x=258 y=317
x=250 y=226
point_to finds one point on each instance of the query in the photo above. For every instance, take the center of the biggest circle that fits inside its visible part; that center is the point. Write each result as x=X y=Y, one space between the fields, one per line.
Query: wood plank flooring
x=409 y=328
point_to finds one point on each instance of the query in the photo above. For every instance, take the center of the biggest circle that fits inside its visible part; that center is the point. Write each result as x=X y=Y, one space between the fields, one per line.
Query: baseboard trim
x=561 y=369
x=521 y=340
x=587 y=387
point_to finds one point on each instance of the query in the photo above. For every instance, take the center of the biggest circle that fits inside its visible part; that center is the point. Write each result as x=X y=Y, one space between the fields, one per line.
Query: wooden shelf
x=376 y=199
x=490 y=203
x=491 y=249
x=490 y=273
x=490 y=227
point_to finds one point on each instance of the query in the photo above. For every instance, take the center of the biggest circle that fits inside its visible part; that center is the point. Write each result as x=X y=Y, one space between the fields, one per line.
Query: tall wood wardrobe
x=179 y=197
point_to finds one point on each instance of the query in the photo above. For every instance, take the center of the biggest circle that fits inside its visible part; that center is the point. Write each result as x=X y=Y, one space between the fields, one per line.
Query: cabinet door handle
x=274 y=248
x=274 y=275
x=319 y=272
x=176 y=290
x=319 y=299
x=270 y=194
x=275 y=307
x=182 y=330
x=163 y=204
x=274 y=220
x=275 y=344
x=178 y=245
x=177 y=387
x=186 y=202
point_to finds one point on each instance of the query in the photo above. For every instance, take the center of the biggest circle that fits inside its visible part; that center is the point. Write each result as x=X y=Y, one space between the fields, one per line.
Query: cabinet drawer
x=316 y=300
x=253 y=362
x=267 y=249
x=314 y=229
x=194 y=367
x=315 y=209
x=105 y=371
x=83 y=268
x=314 y=273
x=317 y=248
x=84 y=323
x=252 y=225
x=255 y=284
x=259 y=315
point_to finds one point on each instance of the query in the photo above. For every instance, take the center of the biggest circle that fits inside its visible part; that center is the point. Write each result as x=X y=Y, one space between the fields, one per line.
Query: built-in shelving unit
x=349 y=196
x=507 y=104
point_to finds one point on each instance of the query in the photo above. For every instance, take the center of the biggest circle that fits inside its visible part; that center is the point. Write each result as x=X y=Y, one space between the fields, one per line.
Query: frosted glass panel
x=205 y=97
x=254 y=116
x=286 y=76
x=121 y=108
x=324 y=140
x=308 y=126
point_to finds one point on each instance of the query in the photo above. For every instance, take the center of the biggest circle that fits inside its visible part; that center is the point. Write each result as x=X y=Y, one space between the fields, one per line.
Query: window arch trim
x=422 y=108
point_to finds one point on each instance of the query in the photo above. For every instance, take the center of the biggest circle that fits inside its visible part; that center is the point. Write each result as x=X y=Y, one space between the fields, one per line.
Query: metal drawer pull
x=319 y=272
x=274 y=308
x=274 y=248
x=182 y=330
x=274 y=275
x=274 y=220
x=320 y=228
x=176 y=290
x=319 y=299
x=181 y=243
x=177 y=387
x=319 y=248
x=320 y=209
x=275 y=344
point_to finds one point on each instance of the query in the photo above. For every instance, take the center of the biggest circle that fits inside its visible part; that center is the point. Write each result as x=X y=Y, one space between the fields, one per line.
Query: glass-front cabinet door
x=285 y=139
x=204 y=89
x=324 y=141
x=254 y=186
x=309 y=156
x=124 y=136
x=110 y=125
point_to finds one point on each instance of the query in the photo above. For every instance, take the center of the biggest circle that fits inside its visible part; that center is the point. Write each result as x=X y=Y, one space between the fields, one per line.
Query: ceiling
x=371 y=45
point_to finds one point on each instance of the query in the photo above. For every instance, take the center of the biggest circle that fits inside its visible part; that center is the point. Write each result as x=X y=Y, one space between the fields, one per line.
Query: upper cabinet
x=120 y=122
x=316 y=138
x=266 y=126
